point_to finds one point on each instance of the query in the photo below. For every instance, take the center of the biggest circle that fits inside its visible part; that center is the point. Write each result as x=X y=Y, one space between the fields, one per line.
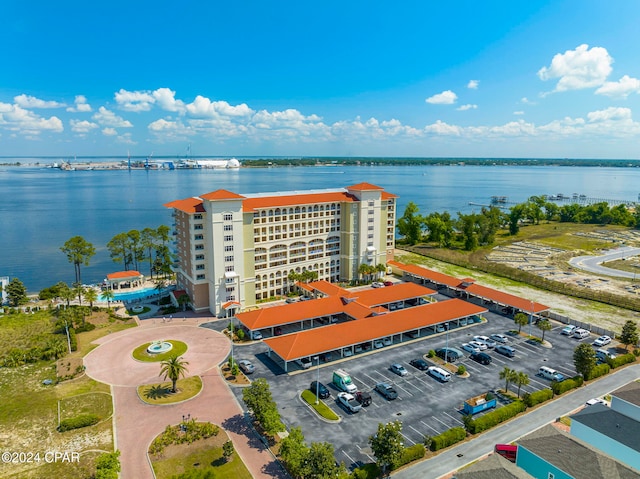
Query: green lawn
x=203 y=455
x=161 y=393
x=141 y=354
x=87 y=403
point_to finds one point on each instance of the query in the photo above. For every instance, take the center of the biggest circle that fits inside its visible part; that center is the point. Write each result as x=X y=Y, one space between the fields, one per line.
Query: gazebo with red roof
x=124 y=280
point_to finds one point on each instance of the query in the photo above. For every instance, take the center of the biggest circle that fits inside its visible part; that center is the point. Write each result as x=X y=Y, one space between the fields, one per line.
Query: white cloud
x=442 y=128
x=81 y=105
x=28 y=101
x=610 y=114
x=467 y=107
x=473 y=84
x=202 y=107
x=82 y=126
x=526 y=101
x=621 y=88
x=109 y=132
x=107 y=118
x=134 y=100
x=519 y=112
x=579 y=68
x=19 y=120
x=447 y=97
x=166 y=99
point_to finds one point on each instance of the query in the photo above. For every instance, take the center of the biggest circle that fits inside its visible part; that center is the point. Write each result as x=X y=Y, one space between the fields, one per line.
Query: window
x=230 y=289
x=228 y=259
x=228 y=238
x=227 y=217
x=197 y=226
x=200 y=267
x=370 y=203
x=198 y=237
x=199 y=257
x=200 y=276
x=228 y=269
x=231 y=297
x=228 y=248
x=197 y=217
x=371 y=220
x=370 y=227
x=228 y=227
x=199 y=246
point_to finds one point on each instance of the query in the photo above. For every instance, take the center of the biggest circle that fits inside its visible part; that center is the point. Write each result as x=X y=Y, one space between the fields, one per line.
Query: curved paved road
x=593 y=264
x=137 y=423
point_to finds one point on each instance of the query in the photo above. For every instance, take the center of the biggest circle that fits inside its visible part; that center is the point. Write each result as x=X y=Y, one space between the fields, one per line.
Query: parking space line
x=408 y=438
x=420 y=433
x=544 y=384
x=362 y=452
x=432 y=428
x=348 y=456
x=441 y=422
x=410 y=383
x=400 y=387
x=425 y=383
x=455 y=419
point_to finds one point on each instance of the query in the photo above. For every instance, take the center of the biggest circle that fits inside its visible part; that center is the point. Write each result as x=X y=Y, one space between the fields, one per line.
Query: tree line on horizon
x=469 y=231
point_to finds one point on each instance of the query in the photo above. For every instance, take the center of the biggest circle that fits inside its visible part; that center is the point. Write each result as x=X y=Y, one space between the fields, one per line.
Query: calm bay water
x=42 y=208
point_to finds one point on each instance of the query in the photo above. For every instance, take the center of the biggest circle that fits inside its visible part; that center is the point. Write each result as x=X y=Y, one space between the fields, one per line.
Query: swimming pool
x=145 y=293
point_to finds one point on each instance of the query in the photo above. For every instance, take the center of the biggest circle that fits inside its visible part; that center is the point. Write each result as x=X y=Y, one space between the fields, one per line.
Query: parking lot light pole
x=530 y=319
x=446 y=348
x=318 y=381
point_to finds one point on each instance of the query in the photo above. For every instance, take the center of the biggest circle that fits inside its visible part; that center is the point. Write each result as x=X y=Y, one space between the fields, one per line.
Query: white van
x=549 y=373
x=439 y=373
x=581 y=333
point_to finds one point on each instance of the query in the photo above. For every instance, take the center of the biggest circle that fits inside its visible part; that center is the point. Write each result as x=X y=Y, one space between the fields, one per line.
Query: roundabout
x=159 y=350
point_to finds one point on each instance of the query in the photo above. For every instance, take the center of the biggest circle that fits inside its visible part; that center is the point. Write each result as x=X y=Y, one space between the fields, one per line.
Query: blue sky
x=415 y=78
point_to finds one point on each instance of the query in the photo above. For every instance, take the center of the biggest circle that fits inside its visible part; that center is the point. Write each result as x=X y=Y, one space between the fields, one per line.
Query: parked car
x=581 y=333
x=439 y=373
x=593 y=401
x=347 y=352
x=388 y=283
x=326 y=357
x=463 y=321
x=482 y=358
x=603 y=355
x=377 y=284
x=440 y=328
x=321 y=389
x=549 y=373
x=412 y=334
x=277 y=331
x=470 y=348
x=499 y=338
x=490 y=343
x=448 y=354
x=387 y=341
x=505 y=350
x=291 y=300
x=304 y=298
x=478 y=344
x=378 y=344
x=387 y=391
x=602 y=341
x=363 y=398
x=420 y=364
x=349 y=402
x=568 y=330
x=255 y=335
x=398 y=369
x=246 y=366
x=304 y=363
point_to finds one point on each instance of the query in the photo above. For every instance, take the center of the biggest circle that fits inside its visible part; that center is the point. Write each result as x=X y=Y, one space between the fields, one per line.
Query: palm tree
x=66 y=293
x=508 y=375
x=521 y=319
x=173 y=368
x=183 y=300
x=108 y=295
x=78 y=289
x=544 y=325
x=381 y=268
x=521 y=379
x=91 y=295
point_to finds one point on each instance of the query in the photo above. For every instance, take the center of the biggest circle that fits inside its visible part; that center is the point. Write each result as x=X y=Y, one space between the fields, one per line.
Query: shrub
x=564 y=386
x=495 y=417
x=410 y=454
x=77 y=422
x=241 y=334
x=531 y=399
x=73 y=339
x=461 y=370
x=431 y=353
x=108 y=465
x=447 y=438
x=368 y=471
x=85 y=327
x=599 y=370
x=622 y=360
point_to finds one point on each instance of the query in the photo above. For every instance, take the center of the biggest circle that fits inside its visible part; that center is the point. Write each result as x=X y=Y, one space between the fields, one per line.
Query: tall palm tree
x=544 y=325
x=91 y=295
x=508 y=375
x=108 y=295
x=173 y=368
x=521 y=379
x=381 y=268
x=521 y=319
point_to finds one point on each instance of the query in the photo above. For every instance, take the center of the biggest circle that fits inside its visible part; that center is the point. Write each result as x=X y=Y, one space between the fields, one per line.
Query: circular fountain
x=158 y=347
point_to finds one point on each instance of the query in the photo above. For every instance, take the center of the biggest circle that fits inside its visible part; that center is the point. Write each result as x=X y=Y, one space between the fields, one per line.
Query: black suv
x=482 y=358
x=321 y=389
x=451 y=356
x=420 y=364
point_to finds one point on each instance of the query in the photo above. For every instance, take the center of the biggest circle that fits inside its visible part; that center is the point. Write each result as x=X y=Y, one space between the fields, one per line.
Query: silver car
x=399 y=369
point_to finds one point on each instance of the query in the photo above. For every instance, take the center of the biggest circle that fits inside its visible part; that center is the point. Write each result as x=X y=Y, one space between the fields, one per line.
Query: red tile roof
x=188 y=205
x=473 y=288
x=390 y=294
x=364 y=186
x=221 y=195
x=228 y=304
x=328 y=338
x=124 y=275
x=252 y=204
x=386 y=195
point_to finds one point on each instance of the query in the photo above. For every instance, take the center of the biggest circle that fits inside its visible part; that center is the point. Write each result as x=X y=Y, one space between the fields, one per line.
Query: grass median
x=141 y=354
x=321 y=408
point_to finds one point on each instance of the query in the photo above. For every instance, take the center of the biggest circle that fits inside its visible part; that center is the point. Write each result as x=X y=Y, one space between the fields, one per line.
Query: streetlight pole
x=318 y=380
x=530 y=319
x=446 y=348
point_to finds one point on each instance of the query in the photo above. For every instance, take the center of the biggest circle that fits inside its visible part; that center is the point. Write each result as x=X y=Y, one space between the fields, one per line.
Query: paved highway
x=594 y=264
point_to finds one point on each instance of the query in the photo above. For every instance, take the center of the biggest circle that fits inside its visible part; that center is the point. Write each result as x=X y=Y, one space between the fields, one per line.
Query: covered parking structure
x=341 y=306
x=468 y=289
x=354 y=337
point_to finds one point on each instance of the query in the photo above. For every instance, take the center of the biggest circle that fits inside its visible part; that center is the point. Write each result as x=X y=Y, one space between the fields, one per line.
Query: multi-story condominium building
x=234 y=250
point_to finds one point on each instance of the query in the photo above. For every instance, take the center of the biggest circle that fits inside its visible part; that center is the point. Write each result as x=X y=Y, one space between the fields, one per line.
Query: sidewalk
x=449 y=461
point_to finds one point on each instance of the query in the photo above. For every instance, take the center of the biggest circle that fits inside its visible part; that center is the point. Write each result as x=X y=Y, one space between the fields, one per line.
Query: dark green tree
x=148 y=241
x=294 y=452
x=321 y=462
x=629 y=333
x=544 y=325
x=584 y=359
x=79 y=251
x=173 y=368
x=387 y=445
x=16 y=292
x=516 y=214
x=440 y=228
x=136 y=247
x=410 y=223
x=467 y=225
x=118 y=247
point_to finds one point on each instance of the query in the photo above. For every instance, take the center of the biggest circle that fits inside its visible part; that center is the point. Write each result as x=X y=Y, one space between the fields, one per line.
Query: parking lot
x=424 y=405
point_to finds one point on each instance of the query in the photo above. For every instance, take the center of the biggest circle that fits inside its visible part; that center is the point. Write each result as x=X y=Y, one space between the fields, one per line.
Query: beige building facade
x=234 y=250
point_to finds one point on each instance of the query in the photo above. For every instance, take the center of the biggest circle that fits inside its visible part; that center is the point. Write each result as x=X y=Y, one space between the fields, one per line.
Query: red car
x=388 y=283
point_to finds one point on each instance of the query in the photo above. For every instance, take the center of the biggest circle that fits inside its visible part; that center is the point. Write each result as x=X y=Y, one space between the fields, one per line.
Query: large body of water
x=41 y=208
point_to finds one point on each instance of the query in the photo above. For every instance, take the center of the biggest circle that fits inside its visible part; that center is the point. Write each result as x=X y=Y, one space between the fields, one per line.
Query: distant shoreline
x=119 y=163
